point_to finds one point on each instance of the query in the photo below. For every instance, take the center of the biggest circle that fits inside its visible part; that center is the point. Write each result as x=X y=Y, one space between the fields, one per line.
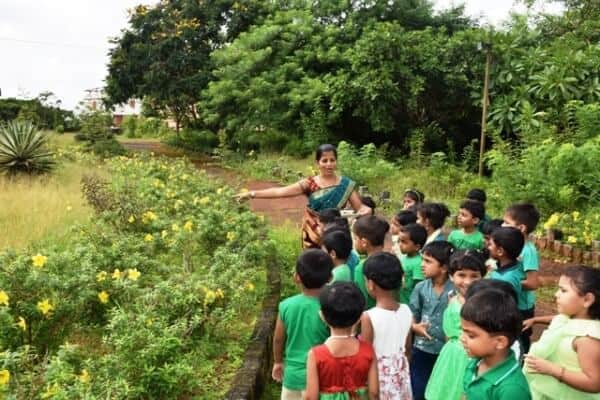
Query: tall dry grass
x=35 y=208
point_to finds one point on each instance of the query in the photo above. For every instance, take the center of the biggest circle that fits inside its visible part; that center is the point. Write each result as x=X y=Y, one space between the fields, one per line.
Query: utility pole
x=485 y=101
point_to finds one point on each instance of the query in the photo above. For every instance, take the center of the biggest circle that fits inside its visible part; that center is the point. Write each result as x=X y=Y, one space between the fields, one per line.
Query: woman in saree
x=324 y=191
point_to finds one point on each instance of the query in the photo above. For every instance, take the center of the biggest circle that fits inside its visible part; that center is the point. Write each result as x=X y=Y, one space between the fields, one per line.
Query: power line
x=56 y=44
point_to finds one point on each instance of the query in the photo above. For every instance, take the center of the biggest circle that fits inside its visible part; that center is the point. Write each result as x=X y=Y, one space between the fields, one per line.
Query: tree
x=164 y=54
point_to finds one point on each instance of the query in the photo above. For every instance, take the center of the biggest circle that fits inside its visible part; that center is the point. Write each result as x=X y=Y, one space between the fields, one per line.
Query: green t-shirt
x=413 y=274
x=466 y=241
x=531 y=262
x=505 y=381
x=341 y=273
x=512 y=274
x=360 y=281
x=303 y=330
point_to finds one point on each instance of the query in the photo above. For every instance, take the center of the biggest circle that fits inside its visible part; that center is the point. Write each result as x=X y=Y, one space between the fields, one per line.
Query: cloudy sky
x=62 y=45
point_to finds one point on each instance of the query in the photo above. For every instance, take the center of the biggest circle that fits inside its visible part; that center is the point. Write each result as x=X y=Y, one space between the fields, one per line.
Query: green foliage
x=23 y=149
x=41 y=111
x=170 y=270
x=364 y=164
x=95 y=126
x=129 y=126
x=200 y=141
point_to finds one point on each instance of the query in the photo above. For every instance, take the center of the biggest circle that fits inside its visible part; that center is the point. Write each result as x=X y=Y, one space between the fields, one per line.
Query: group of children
x=437 y=317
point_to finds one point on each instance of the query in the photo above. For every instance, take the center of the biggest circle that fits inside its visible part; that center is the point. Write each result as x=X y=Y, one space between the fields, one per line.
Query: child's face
x=568 y=299
x=394 y=226
x=477 y=342
x=424 y=222
x=466 y=219
x=487 y=239
x=407 y=246
x=431 y=267
x=408 y=202
x=510 y=221
x=463 y=278
x=496 y=252
x=359 y=244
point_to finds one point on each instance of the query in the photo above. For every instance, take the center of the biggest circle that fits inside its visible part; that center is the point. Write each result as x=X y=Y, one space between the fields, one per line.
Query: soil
x=290 y=209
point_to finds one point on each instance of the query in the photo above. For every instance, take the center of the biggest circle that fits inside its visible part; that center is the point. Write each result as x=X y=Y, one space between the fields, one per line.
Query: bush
x=109 y=147
x=130 y=126
x=23 y=149
x=364 y=164
x=200 y=141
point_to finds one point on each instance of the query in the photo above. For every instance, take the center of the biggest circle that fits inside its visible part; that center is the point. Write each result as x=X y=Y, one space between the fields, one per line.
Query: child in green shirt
x=299 y=326
x=468 y=237
x=411 y=239
x=338 y=245
x=491 y=322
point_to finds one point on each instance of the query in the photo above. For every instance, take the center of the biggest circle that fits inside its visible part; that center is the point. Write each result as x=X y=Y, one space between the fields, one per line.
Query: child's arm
x=542 y=319
x=366 y=329
x=531 y=281
x=373 y=381
x=312 y=378
x=278 y=343
x=588 y=354
x=408 y=346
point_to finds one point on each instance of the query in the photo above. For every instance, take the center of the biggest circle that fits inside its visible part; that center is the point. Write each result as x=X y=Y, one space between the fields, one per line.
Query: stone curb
x=250 y=378
x=571 y=253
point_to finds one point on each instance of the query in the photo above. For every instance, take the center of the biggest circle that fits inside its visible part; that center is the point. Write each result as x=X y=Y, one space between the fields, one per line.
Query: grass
x=34 y=208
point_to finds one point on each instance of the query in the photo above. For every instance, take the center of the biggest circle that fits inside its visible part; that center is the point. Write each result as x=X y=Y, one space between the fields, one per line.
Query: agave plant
x=23 y=149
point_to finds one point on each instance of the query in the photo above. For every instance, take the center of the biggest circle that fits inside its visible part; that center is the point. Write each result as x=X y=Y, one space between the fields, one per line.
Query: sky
x=62 y=45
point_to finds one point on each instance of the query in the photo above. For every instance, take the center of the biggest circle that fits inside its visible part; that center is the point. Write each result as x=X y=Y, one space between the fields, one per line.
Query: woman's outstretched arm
x=294 y=189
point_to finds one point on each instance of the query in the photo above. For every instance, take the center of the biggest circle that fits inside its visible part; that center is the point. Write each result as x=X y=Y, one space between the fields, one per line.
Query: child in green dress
x=445 y=383
x=565 y=362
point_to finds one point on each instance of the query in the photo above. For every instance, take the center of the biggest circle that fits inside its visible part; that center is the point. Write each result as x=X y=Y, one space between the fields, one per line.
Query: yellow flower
x=178 y=204
x=116 y=274
x=164 y=234
x=175 y=228
x=22 y=324
x=51 y=391
x=133 y=274
x=231 y=236
x=45 y=307
x=149 y=322
x=244 y=190
x=249 y=286
x=103 y=297
x=188 y=226
x=148 y=238
x=84 y=377
x=204 y=200
x=39 y=260
x=148 y=216
x=261 y=218
x=131 y=219
x=3 y=298
x=101 y=276
x=575 y=215
x=552 y=221
x=219 y=190
x=572 y=239
x=210 y=297
x=184 y=177
x=4 y=377
x=220 y=294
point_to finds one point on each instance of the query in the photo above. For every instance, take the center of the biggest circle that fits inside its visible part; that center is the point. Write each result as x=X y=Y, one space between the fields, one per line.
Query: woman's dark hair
x=384 y=269
x=314 y=268
x=338 y=241
x=436 y=213
x=329 y=215
x=472 y=260
x=415 y=194
x=440 y=250
x=586 y=280
x=477 y=195
x=495 y=312
x=342 y=304
x=372 y=228
x=324 y=148
x=510 y=239
x=496 y=284
x=405 y=217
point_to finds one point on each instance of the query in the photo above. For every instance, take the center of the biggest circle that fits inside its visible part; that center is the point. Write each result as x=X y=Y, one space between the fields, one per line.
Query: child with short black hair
x=487 y=230
x=411 y=240
x=480 y=196
x=338 y=244
x=387 y=325
x=412 y=198
x=468 y=236
x=565 y=362
x=490 y=323
x=525 y=217
x=402 y=218
x=343 y=366
x=446 y=381
x=299 y=327
x=428 y=302
x=432 y=217
x=369 y=236
x=505 y=246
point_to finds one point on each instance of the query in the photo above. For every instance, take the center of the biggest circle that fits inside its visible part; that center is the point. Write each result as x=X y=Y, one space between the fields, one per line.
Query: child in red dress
x=343 y=367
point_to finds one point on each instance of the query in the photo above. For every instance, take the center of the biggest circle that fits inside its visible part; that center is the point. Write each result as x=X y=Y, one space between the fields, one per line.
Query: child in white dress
x=387 y=326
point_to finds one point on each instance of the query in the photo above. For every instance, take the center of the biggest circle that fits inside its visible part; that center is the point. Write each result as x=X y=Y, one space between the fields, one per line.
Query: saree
x=320 y=199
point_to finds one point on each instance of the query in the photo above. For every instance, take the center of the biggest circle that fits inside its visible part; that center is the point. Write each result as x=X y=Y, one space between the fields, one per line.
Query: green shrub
x=200 y=141
x=364 y=164
x=23 y=149
x=130 y=126
x=109 y=147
